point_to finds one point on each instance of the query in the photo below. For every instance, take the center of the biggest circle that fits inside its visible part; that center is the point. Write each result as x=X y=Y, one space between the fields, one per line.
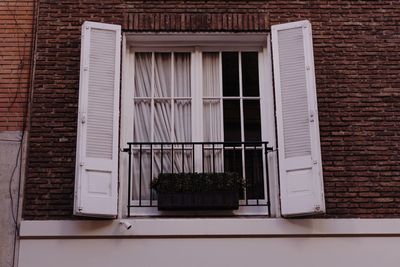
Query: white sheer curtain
x=160 y=116
x=212 y=117
x=182 y=111
x=182 y=88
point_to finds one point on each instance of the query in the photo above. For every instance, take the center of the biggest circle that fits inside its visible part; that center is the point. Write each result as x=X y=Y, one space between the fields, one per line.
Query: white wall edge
x=209 y=227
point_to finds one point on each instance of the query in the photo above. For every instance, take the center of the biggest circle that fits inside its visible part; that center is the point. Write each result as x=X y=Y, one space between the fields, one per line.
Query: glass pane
x=212 y=159
x=252 y=120
x=250 y=74
x=185 y=163
x=183 y=121
x=143 y=74
x=230 y=73
x=182 y=75
x=141 y=174
x=162 y=75
x=212 y=121
x=232 y=120
x=162 y=121
x=162 y=160
x=211 y=74
x=254 y=174
x=141 y=121
x=233 y=162
x=165 y=157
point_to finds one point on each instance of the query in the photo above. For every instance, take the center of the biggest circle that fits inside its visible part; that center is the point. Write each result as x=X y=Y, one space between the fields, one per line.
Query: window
x=219 y=102
x=197 y=88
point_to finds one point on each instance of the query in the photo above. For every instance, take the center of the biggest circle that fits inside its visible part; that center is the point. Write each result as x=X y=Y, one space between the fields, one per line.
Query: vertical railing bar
x=234 y=161
x=255 y=155
x=129 y=178
x=183 y=158
x=140 y=175
x=151 y=174
x=202 y=156
x=234 y=155
x=213 y=156
x=267 y=178
x=172 y=158
x=243 y=146
x=162 y=155
x=223 y=158
x=193 y=169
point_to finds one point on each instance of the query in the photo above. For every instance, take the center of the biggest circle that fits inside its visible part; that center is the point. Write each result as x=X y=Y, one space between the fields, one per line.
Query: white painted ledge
x=209 y=227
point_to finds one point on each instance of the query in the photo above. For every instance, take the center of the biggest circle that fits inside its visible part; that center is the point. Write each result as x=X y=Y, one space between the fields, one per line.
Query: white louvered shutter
x=96 y=178
x=300 y=168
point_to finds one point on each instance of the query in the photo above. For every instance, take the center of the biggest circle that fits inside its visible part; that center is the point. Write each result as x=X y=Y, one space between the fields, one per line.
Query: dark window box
x=222 y=200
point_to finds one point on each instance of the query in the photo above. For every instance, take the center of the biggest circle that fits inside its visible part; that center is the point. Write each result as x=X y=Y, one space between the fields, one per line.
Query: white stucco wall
x=273 y=242
x=200 y=252
x=9 y=158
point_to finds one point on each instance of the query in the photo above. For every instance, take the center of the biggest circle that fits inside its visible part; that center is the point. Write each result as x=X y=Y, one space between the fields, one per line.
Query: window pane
x=212 y=159
x=211 y=74
x=141 y=174
x=162 y=75
x=212 y=121
x=230 y=73
x=232 y=120
x=184 y=164
x=142 y=119
x=233 y=162
x=165 y=157
x=252 y=121
x=254 y=174
x=233 y=159
x=250 y=74
x=183 y=121
x=182 y=74
x=162 y=121
x=143 y=74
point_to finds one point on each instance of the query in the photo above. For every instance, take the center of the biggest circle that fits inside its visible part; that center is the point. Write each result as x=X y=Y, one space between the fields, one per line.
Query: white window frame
x=197 y=43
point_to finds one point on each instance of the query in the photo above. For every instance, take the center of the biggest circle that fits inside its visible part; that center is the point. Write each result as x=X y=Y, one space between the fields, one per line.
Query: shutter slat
x=97 y=151
x=298 y=131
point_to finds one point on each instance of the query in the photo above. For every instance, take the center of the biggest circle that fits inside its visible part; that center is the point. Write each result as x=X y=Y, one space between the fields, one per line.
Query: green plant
x=197 y=182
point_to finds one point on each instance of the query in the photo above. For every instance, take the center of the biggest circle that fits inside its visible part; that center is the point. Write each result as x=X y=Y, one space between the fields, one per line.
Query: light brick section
x=15 y=53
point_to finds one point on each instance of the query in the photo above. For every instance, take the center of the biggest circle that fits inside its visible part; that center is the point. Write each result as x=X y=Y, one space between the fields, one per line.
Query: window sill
x=208 y=227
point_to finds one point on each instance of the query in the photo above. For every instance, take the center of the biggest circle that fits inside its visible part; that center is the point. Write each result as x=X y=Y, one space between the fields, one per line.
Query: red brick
x=357 y=55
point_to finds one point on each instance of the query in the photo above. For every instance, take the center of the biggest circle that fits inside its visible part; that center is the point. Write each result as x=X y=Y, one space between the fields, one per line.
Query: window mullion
x=133 y=69
x=172 y=139
x=152 y=107
x=197 y=106
x=221 y=95
x=242 y=121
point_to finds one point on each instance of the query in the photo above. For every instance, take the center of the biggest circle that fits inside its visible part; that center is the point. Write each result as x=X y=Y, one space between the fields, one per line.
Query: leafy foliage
x=197 y=182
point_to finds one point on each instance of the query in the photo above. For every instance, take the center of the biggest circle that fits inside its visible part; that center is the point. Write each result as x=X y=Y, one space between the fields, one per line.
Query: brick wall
x=357 y=55
x=15 y=50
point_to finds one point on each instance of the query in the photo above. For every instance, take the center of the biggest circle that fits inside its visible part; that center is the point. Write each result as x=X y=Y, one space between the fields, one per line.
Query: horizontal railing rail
x=146 y=160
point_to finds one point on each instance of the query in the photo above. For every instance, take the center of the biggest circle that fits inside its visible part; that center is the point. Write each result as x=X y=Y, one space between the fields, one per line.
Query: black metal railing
x=147 y=160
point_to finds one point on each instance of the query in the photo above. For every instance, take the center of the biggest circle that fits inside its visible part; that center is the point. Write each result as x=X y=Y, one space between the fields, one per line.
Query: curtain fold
x=170 y=117
x=212 y=129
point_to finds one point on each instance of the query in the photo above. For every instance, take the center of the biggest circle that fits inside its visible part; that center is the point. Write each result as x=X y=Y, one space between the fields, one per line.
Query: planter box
x=225 y=200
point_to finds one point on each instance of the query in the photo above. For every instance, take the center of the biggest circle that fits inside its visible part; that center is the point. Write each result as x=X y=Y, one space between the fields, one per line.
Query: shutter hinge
x=317 y=208
x=83 y=118
x=311 y=116
x=81 y=163
x=315 y=162
x=308 y=67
